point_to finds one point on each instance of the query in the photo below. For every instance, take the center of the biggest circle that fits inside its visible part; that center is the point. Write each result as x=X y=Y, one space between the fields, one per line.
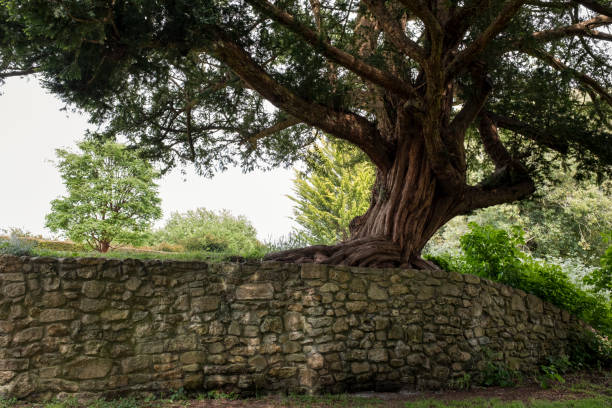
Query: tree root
x=364 y=252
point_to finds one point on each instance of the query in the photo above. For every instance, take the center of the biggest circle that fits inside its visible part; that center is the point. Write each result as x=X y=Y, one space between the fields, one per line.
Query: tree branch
x=595 y=6
x=473 y=105
x=583 y=28
x=22 y=72
x=394 y=31
x=285 y=124
x=422 y=11
x=492 y=143
x=344 y=125
x=476 y=197
x=500 y=22
x=390 y=82
x=541 y=137
x=579 y=76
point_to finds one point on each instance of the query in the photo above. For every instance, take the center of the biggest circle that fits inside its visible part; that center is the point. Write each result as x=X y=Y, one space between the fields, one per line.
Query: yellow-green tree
x=334 y=188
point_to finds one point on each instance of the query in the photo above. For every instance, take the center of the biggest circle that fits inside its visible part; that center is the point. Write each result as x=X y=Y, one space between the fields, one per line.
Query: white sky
x=32 y=127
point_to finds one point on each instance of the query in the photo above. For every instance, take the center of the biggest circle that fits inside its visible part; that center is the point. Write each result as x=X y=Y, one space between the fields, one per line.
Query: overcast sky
x=32 y=126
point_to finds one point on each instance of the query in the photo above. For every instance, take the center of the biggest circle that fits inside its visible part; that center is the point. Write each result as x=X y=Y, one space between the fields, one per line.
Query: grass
x=332 y=400
x=128 y=254
x=496 y=403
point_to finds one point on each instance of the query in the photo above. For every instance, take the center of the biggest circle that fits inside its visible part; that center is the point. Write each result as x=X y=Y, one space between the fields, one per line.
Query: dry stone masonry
x=97 y=326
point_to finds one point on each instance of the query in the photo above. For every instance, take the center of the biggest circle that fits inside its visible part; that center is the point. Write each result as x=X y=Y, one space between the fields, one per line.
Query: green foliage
x=112 y=196
x=589 y=349
x=564 y=223
x=218 y=395
x=292 y=240
x=204 y=230
x=496 y=373
x=494 y=254
x=15 y=245
x=335 y=188
x=601 y=279
x=553 y=370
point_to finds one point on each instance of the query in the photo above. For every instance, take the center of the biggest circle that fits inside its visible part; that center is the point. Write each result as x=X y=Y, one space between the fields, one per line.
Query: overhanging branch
x=344 y=125
x=540 y=136
x=394 y=32
x=500 y=22
x=384 y=79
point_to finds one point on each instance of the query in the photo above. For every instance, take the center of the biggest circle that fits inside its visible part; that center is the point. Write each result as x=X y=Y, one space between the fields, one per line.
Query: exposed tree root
x=365 y=252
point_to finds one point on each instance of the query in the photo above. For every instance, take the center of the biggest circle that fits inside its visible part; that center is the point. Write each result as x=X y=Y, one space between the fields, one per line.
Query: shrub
x=15 y=245
x=495 y=254
x=204 y=230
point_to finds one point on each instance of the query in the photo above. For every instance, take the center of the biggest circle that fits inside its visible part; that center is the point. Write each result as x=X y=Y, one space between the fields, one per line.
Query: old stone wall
x=87 y=326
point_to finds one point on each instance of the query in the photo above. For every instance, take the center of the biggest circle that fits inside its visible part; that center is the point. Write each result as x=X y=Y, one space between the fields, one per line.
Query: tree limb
x=476 y=197
x=285 y=124
x=22 y=72
x=579 y=76
x=492 y=143
x=394 y=31
x=583 y=28
x=388 y=81
x=595 y=6
x=422 y=11
x=344 y=125
x=500 y=22
x=541 y=137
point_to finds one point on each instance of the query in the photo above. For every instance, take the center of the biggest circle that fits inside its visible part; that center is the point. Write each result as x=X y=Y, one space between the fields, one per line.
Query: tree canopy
x=219 y=82
x=112 y=196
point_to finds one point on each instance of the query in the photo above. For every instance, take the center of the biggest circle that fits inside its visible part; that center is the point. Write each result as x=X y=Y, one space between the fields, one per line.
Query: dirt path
x=586 y=385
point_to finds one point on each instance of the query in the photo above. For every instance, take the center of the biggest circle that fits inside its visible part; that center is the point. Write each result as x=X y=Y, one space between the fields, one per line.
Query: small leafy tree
x=204 y=230
x=112 y=196
x=335 y=188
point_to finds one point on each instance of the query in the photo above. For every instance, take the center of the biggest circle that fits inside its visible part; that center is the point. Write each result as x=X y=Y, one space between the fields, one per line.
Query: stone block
x=205 y=304
x=293 y=321
x=93 y=289
x=14 y=289
x=254 y=291
x=115 y=314
x=314 y=271
x=376 y=292
x=88 y=368
x=315 y=361
x=55 y=315
x=28 y=335
x=518 y=303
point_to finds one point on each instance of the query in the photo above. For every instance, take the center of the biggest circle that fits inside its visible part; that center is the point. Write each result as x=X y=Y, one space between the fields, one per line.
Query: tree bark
x=103 y=246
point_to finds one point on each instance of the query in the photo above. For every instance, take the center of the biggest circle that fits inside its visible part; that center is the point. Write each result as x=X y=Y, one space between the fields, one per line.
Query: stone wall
x=87 y=326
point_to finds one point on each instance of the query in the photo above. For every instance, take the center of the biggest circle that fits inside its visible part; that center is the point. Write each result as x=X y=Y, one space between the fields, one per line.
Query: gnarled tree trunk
x=406 y=209
x=410 y=202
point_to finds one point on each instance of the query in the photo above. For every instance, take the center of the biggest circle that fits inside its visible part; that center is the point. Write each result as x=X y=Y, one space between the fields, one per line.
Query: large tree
x=218 y=82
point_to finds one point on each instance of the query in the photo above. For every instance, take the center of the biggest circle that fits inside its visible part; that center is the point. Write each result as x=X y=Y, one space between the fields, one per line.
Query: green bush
x=495 y=254
x=204 y=230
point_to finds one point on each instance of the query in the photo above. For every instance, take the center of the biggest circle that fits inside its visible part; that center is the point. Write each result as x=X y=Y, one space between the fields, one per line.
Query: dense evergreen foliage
x=112 y=196
x=334 y=188
x=219 y=82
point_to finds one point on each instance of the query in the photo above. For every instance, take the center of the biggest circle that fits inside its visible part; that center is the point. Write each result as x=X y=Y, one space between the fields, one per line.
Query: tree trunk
x=406 y=209
x=103 y=246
